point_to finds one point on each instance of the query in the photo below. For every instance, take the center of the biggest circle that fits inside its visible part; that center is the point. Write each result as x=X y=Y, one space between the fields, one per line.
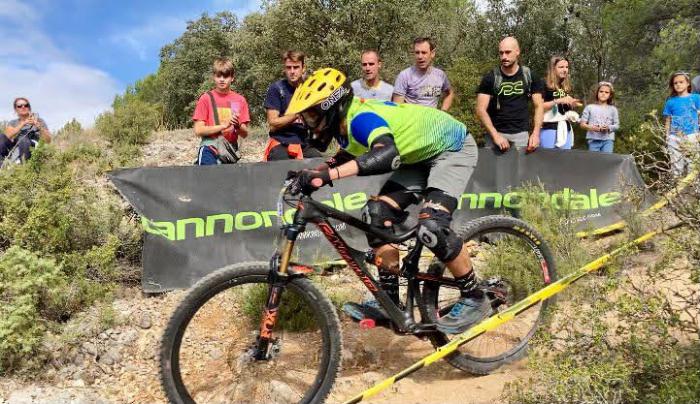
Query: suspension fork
x=277 y=281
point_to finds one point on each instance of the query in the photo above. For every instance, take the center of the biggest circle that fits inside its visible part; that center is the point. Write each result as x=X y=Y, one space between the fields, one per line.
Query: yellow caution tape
x=682 y=184
x=495 y=321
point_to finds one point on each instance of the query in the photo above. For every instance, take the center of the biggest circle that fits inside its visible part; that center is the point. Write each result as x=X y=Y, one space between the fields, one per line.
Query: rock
x=128 y=337
x=145 y=321
x=110 y=357
x=87 y=377
x=369 y=355
x=281 y=392
x=90 y=348
x=371 y=377
x=78 y=383
x=216 y=353
x=78 y=359
x=147 y=354
x=347 y=356
x=51 y=395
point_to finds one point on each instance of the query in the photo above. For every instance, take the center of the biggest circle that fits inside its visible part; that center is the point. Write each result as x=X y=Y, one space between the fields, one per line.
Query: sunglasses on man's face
x=18 y=106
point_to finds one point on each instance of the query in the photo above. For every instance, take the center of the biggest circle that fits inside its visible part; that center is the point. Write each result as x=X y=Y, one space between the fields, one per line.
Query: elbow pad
x=382 y=158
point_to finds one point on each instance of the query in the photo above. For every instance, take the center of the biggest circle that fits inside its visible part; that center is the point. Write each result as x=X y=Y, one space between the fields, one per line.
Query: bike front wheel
x=207 y=350
x=512 y=261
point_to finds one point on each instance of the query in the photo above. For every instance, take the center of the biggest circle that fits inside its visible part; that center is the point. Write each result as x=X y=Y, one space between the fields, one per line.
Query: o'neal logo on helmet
x=333 y=98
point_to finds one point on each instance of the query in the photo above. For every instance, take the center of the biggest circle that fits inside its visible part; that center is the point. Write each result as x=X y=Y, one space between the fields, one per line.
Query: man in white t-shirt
x=371 y=86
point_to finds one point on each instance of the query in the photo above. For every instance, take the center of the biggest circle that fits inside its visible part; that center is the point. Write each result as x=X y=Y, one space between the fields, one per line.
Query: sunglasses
x=18 y=106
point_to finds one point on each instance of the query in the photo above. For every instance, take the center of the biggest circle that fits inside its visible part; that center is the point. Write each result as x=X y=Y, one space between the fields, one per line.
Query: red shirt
x=204 y=111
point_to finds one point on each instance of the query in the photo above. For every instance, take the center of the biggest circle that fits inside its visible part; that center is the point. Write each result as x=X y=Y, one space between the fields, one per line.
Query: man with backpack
x=220 y=118
x=502 y=101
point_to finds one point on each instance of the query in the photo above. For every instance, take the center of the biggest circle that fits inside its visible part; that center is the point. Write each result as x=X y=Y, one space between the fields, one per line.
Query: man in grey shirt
x=423 y=83
x=371 y=86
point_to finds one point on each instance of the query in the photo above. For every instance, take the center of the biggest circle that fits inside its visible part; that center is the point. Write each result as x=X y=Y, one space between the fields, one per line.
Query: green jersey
x=419 y=132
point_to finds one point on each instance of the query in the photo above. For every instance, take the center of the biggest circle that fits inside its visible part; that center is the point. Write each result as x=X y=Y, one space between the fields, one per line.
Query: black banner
x=198 y=219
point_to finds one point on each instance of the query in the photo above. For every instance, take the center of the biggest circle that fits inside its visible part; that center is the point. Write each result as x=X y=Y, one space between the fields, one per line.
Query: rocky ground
x=119 y=364
x=179 y=148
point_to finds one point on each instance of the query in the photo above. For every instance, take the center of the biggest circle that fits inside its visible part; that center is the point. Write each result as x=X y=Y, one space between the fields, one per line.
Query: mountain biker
x=428 y=151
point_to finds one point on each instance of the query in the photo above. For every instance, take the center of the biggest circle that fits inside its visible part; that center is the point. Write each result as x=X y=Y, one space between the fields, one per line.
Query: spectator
x=423 y=83
x=23 y=133
x=371 y=86
x=696 y=84
x=681 y=120
x=220 y=112
x=502 y=101
x=557 y=132
x=601 y=119
x=288 y=134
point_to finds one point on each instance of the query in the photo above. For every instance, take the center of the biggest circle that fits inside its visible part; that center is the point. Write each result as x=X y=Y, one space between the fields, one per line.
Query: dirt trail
x=438 y=383
x=119 y=365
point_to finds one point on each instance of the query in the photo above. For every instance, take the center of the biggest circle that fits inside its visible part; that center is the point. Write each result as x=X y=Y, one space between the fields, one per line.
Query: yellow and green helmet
x=322 y=101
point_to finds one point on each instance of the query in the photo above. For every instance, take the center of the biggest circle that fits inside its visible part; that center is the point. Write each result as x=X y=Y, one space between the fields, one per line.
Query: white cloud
x=240 y=7
x=58 y=92
x=17 y=10
x=147 y=39
x=58 y=88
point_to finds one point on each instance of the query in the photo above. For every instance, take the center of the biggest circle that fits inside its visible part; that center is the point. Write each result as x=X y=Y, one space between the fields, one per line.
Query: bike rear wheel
x=513 y=261
x=205 y=354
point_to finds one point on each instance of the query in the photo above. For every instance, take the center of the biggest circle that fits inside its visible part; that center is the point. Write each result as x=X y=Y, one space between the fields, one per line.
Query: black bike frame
x=310 y=210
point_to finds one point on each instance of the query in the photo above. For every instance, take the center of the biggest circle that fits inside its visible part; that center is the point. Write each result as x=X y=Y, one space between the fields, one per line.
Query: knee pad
x=437 y=199
x=435 y=233
x=376 y=212
x=399 y=194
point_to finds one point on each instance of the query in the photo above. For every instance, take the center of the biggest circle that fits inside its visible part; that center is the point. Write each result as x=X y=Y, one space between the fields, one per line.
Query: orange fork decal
x=268 y=323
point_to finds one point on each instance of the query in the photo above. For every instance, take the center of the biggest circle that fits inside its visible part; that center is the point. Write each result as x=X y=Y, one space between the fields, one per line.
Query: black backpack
x=498 y=80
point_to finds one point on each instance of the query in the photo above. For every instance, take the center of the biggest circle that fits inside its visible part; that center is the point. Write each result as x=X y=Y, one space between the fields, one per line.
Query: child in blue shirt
x=681 y=121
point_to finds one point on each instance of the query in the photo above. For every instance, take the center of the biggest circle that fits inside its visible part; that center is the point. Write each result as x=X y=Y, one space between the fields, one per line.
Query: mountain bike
x=263 y=332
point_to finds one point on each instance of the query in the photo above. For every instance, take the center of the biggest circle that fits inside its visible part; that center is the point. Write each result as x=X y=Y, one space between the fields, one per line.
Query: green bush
x=70 y=128
x=621 y=341
x=56 y=207
x=45 y=209
x=29 y=286
x=465 y=75
x=130 y=124
x=295 y=314
x=556 y=226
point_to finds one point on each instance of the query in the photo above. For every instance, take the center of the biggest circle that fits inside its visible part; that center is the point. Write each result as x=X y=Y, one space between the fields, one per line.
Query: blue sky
x=70 y=57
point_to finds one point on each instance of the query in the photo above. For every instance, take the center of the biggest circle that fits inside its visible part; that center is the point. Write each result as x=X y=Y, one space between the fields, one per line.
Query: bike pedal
x=367 y=323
